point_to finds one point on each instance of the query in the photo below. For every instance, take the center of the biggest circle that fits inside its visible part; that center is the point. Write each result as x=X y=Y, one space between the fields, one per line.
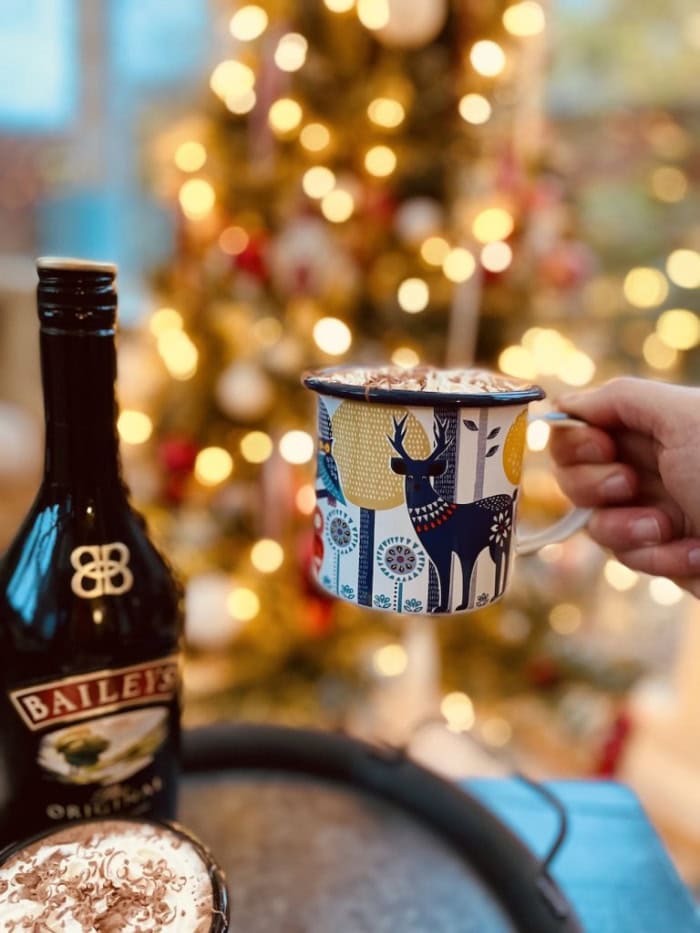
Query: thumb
x=642 y=405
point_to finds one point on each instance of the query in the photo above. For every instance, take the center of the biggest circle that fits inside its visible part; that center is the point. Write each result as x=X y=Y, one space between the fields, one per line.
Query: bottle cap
x=76 y=295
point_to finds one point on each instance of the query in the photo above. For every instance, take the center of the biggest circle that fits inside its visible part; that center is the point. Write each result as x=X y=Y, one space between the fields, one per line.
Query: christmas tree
x=375 y=181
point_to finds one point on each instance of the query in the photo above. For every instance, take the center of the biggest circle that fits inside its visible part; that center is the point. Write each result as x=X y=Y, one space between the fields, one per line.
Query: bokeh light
x=658 y=354
x=458 y=265
x=576 y=368
x=267 y=555
x=496 y=256
x=179 y=353
x=413 y=295
x=665 y=592
x=338 y=206
x=458 y=710
x=487 y=58
x=213 y=465
x=291 y=50
x=135 y=427
x=248 y=23
x=517 y=361
x=683 y=268
x=231 y=77
x=434 y=250
x=339 y=6
x=305 y=499
x=315 y=137
x=474 y=108
x=679 y=328
x=190 y=156
x=256 y=446
x=524 y=19
x=373 y=14
x=494 y=223
x=386 y=112
x=405 y=357
x=197 y=198
x=285 y=115
x=165 y=319
x=243 y=603
x=390 y=660
x=380 y=161
x=296 y=447
x=233 y=240
x=240 y=103
x=332 y=335
x=645 y=287
x=619 y=576
x=318 y=181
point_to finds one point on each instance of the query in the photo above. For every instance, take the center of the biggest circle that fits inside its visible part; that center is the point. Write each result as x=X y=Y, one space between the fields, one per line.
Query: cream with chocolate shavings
x=424 y=379
x=111 y=877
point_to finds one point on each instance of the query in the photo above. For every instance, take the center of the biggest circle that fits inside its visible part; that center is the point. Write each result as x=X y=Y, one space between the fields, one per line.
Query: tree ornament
x=417 y=219
x=177 y=454
x=244 y=392
x=209 y=626
x=305 y=258
x=253 y=258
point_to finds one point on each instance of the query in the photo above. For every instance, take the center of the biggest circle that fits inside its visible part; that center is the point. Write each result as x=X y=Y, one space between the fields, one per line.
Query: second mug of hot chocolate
x=417 y=486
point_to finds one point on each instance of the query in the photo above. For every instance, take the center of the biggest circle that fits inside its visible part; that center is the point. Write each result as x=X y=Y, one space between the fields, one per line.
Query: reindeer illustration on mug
x=446 y=529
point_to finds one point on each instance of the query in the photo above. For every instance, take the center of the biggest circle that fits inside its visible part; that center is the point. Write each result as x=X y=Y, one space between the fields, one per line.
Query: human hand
x=637 y=464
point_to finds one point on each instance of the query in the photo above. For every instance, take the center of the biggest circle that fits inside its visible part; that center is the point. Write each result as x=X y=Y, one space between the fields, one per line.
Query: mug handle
x=574 y=520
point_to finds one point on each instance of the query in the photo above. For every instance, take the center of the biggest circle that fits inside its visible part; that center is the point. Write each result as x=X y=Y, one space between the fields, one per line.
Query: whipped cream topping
x=110 y=877
x=424 y=379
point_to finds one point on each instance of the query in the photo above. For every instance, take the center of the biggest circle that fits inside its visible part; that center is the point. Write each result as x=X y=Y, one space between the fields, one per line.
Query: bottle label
x=102 y=743
x=101 y=569
x=88 y=695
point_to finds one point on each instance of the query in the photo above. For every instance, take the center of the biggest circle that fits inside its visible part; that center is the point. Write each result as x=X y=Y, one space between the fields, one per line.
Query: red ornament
x=317 y=555
x=379 y=205
x=567 y=265
x=253 y=258
x=614 y=746
x=543 y=672
x=175 y=488
x=177 y=455
x=319 y=607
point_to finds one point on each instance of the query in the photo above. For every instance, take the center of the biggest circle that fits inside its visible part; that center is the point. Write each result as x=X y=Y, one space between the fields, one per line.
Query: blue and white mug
x=417 y=490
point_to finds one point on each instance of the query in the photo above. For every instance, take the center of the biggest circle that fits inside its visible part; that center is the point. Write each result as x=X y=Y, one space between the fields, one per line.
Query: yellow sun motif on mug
x=514 y=448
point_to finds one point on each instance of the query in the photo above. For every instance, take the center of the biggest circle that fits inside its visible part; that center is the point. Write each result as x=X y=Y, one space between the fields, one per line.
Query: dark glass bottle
x=90 y=613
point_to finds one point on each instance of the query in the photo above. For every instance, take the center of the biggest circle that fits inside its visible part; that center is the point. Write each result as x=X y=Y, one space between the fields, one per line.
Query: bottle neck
x=78 y=375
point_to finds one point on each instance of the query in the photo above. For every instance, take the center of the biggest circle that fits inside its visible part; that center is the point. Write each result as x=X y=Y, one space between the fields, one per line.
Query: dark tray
x=321 y=833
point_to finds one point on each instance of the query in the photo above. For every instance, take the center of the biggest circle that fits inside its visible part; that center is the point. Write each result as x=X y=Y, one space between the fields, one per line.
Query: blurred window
x=154 y=43
x=39 y=63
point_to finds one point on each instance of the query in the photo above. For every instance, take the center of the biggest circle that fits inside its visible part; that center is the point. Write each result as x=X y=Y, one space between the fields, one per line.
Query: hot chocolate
x=423 y=379
x=110 y=876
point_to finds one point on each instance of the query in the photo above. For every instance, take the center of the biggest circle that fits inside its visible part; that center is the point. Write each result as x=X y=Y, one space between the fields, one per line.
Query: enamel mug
x=417 y=490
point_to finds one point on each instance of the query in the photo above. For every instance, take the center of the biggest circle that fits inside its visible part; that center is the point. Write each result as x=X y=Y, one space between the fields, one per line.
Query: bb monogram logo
x=101 y=570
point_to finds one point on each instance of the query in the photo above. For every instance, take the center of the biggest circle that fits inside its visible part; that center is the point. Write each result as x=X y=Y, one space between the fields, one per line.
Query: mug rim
x=220 y=894
x=317 y=381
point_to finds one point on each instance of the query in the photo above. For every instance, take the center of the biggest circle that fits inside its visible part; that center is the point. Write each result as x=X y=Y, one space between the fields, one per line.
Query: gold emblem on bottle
x=101 y=570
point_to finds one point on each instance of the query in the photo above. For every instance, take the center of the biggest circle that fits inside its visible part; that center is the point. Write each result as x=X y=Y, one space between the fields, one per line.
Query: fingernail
x=647 y=531
x=616 y=486
x=694 y=557
x=589 y=453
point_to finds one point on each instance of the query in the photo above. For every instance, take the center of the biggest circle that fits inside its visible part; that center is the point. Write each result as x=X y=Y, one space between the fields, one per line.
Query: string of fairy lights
x=541 y=351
